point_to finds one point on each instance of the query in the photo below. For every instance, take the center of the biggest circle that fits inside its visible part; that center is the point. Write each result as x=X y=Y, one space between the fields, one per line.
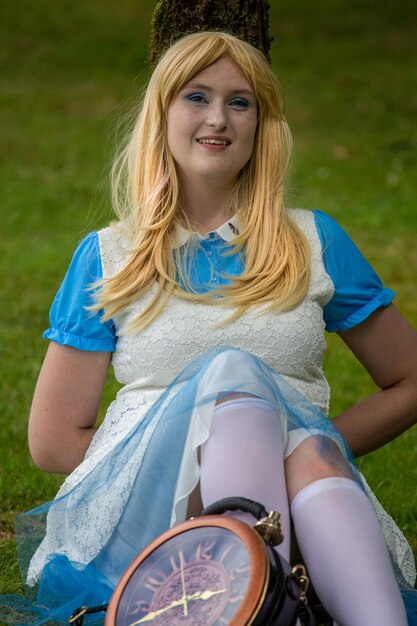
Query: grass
x=348 y=72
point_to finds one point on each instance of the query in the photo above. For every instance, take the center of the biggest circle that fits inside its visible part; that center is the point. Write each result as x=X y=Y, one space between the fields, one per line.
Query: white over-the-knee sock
x=345 y=553
x=244 y=457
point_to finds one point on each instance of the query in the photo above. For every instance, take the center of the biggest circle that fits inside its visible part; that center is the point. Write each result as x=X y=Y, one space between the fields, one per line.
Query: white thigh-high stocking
x=244 y=457
x=345 y=553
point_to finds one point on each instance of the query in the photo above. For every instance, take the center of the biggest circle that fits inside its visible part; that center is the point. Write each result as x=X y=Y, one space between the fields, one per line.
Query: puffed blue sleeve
x=70 y=323
x=358 y=290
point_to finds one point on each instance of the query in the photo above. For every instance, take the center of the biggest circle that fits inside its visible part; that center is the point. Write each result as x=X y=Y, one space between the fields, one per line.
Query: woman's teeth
x=216 y=142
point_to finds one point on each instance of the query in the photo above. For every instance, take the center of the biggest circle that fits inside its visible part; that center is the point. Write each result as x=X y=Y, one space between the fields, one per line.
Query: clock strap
x=299 y=577
x=306 y=615
x=236 y=504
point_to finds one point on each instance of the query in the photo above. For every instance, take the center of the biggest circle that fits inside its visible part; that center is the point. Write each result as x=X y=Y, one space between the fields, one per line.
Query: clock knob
x=269 y=528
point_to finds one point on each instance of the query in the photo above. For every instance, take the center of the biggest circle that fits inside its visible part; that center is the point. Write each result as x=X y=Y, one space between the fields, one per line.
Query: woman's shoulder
x=309 y=216
x=306 y=221
x=96 y=246
x=114 y=243
x=304 y=218
x=86 y=258
x=300 y=216
x=318 y=225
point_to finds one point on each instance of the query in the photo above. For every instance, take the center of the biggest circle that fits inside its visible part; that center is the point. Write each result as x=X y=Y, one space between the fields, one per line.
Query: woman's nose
x=216 y=116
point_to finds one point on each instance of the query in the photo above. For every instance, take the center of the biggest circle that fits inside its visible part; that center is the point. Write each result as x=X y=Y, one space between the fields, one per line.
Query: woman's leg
x=335 y=523
x=244 y=457
x=341 y=541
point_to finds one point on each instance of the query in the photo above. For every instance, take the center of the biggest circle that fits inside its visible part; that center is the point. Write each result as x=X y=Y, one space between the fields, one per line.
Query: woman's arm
x=386 y=345
x=65 y=405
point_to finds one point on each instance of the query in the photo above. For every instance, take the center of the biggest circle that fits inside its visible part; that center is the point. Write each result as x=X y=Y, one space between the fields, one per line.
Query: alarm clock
x=212 y=570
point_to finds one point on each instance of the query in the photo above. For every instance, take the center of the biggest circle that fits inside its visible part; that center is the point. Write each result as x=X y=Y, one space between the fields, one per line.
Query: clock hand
x=151 y=616
x=205 y=595
x=184 y=593
x=198 y=595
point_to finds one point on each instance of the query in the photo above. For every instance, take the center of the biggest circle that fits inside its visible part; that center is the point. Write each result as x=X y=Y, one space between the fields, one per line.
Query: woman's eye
x=196 y=97
x=239 y=103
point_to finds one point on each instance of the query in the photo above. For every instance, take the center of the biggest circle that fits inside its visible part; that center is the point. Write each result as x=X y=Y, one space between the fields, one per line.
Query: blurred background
x=70 y=72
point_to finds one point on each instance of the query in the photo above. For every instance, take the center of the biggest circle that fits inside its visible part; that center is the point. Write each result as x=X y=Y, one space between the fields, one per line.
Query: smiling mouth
x=215 y=142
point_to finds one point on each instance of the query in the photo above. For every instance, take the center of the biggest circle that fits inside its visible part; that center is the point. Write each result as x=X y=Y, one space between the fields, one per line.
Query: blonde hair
x=146 y=195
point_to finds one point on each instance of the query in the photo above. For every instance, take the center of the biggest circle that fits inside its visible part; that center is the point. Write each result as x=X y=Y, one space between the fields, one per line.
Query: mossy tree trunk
x=246 y=19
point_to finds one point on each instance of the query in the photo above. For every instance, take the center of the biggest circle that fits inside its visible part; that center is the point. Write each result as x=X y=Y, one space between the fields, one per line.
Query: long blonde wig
x=146 y=195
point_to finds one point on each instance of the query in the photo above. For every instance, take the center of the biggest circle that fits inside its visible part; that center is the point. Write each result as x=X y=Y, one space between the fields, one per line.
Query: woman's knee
x=315 y=458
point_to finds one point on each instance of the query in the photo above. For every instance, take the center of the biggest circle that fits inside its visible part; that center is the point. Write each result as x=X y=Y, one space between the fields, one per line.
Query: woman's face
x=211 y=125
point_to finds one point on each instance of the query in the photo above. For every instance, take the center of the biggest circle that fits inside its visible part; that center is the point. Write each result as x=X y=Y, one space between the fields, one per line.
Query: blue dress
x=134 y=483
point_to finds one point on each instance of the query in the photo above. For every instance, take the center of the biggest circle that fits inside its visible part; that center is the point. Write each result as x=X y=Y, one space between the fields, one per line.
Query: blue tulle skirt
x=73 y=550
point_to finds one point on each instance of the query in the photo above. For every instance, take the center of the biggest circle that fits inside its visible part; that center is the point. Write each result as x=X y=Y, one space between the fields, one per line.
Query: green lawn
x=70 y=71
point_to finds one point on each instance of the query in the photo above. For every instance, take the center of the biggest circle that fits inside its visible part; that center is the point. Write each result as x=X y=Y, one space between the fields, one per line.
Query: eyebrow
x=203 y=87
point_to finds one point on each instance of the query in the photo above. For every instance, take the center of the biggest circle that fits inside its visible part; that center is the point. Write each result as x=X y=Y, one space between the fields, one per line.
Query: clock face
x=196 y=578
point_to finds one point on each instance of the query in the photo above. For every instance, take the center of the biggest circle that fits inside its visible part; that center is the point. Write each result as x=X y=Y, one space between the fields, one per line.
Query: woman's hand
x=386 y=345
x=65 y=405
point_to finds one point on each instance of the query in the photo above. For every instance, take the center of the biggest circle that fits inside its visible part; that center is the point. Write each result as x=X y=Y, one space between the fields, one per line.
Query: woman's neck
x=206 y=204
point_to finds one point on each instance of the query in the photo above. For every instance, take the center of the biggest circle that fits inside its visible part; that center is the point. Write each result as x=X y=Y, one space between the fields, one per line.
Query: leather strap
x=236 y=504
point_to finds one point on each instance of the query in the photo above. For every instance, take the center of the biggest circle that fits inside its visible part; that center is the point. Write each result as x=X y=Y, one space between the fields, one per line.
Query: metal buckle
x=270 y=529
x=299 y=572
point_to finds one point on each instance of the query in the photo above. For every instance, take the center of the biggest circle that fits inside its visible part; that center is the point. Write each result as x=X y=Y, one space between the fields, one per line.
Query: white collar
x=227 y=231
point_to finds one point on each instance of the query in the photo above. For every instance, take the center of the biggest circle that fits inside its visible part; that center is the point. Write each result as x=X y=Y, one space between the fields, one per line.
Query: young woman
x=210 y=298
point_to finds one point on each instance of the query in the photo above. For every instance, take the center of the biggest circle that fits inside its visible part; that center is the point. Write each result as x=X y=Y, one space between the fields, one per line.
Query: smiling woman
x=156 y=199
x=212 y=408
x=211 y=127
